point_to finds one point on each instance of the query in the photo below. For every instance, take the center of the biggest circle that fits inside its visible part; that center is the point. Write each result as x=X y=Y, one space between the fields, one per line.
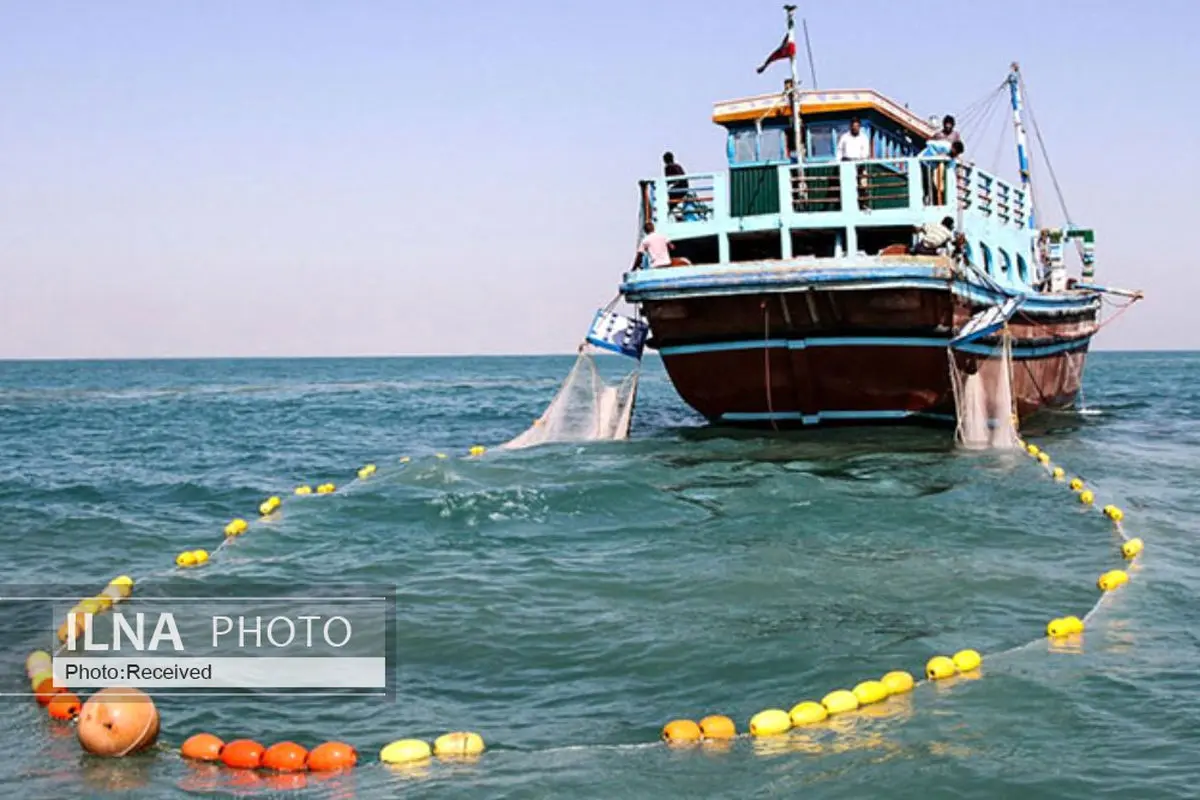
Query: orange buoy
x=681 y=731
x=717 y=727
x=45 y=691
x=242 y=753
x=332 y=756
x=285 y=757
x=202 y=747
x=64 y=706
x=117 y=721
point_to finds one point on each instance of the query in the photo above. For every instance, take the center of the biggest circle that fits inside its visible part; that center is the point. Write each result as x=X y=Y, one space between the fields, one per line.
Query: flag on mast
x=786 y=49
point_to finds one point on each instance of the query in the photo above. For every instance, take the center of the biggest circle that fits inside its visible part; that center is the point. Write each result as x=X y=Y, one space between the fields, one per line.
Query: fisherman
x=947 y=133
x=932 y=237
x=655 y=246
x=677 y=190
x=854 y=145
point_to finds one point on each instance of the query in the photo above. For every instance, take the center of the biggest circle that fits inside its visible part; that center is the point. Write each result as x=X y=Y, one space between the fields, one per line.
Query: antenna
x=812 y=68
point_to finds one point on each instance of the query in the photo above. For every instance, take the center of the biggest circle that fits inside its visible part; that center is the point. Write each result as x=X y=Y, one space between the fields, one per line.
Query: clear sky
x=231 y=178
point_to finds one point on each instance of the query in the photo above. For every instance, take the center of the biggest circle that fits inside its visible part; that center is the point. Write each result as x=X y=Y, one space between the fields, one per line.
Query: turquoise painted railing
x=893 y=191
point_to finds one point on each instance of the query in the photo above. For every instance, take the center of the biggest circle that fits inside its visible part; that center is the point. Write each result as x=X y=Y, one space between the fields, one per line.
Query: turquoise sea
x=567 y=601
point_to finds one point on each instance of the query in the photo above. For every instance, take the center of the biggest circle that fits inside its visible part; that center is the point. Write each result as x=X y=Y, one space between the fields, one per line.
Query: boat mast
x=794 y=94
x=1014 y=90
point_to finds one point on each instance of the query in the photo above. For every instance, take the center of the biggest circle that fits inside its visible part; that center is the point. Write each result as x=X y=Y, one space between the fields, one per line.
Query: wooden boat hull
x=867 y=353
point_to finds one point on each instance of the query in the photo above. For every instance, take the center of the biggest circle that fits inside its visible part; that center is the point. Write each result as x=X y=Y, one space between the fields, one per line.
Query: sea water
x=566 y=601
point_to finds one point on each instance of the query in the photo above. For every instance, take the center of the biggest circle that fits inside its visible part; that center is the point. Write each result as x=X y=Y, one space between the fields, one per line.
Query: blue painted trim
x=1019 y=351
x=645 y=285
x=833 y=415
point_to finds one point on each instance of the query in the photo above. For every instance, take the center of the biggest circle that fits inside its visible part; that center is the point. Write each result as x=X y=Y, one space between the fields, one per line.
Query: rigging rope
x=1037 y=131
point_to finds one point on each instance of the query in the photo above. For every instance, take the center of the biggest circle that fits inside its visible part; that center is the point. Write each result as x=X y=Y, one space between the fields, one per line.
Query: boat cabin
x=770 y=203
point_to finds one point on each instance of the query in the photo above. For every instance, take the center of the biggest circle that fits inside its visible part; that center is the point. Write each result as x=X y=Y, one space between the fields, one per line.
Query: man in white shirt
x=854 y=145
x=656 y=246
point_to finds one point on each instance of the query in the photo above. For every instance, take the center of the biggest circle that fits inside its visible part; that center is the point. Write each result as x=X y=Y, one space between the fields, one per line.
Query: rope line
x=772 y=722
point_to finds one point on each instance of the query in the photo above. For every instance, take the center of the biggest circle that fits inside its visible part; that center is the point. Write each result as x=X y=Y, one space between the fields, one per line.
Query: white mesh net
x=586 y=408
x=983 y=398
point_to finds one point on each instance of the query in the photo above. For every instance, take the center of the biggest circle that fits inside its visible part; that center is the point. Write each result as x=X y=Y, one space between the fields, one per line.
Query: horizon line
x=654 y=353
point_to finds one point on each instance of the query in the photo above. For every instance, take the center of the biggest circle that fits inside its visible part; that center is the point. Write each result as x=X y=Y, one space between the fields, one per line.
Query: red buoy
x=243 y=754
x=285 y=757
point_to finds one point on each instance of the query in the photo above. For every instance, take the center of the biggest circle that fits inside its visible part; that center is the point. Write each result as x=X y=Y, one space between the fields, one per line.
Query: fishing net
x=983 y=397
x=586 y=408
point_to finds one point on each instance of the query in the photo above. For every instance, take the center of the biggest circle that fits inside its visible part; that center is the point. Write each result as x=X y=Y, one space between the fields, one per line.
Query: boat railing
x=666 y=199
x=990 y=197
x=891 y=190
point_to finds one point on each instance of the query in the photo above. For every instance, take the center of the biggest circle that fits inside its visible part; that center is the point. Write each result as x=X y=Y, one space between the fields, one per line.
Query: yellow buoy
x=40 y=677
x=839 y=702
x=869 y=692
x=807 y=713
x=123 y=584
x=237 y=527
x=681 y=731
x=1059 y=473
x=366 y=472
x=326 y=488
x=201 y=556
x=1076 y=484
x=103 y=602
x=1057 y=628
x=939 y=667
x=478 y=450
x=439 y=455
x=1114 y=513
x=717 y=726
x=1044 y=458
x=458 y=743
x=269 y=505
x=1113 y=579
x=1086 y=497
x=38 y=661
x=771 y=722
x=897 y=682
x=1033 y=450
x=185 y=559
x=303 y=490
x=89 y=606
x=1074 y=624
x=404 y=459
x=115 y=594
x=966 y=660
x=404 y=751
x=1132 y=547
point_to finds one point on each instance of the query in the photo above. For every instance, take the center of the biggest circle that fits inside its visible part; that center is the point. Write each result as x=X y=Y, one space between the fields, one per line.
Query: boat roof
x=749 y=109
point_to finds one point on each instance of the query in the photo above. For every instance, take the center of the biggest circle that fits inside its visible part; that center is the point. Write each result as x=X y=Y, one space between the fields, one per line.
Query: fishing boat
x=794 y=296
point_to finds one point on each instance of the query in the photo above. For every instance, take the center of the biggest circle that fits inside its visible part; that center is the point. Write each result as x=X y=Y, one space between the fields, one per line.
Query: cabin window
x=743 y=146
x=1005 y=263
x=822 y=142
x=1022 y=269
x=771 y=145
x=749 y=146
x=988 y=267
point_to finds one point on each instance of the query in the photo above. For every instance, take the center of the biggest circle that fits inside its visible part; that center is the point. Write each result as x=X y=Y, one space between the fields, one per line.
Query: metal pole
x=812 y=67
x=794 y=95
x=1014 y=90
